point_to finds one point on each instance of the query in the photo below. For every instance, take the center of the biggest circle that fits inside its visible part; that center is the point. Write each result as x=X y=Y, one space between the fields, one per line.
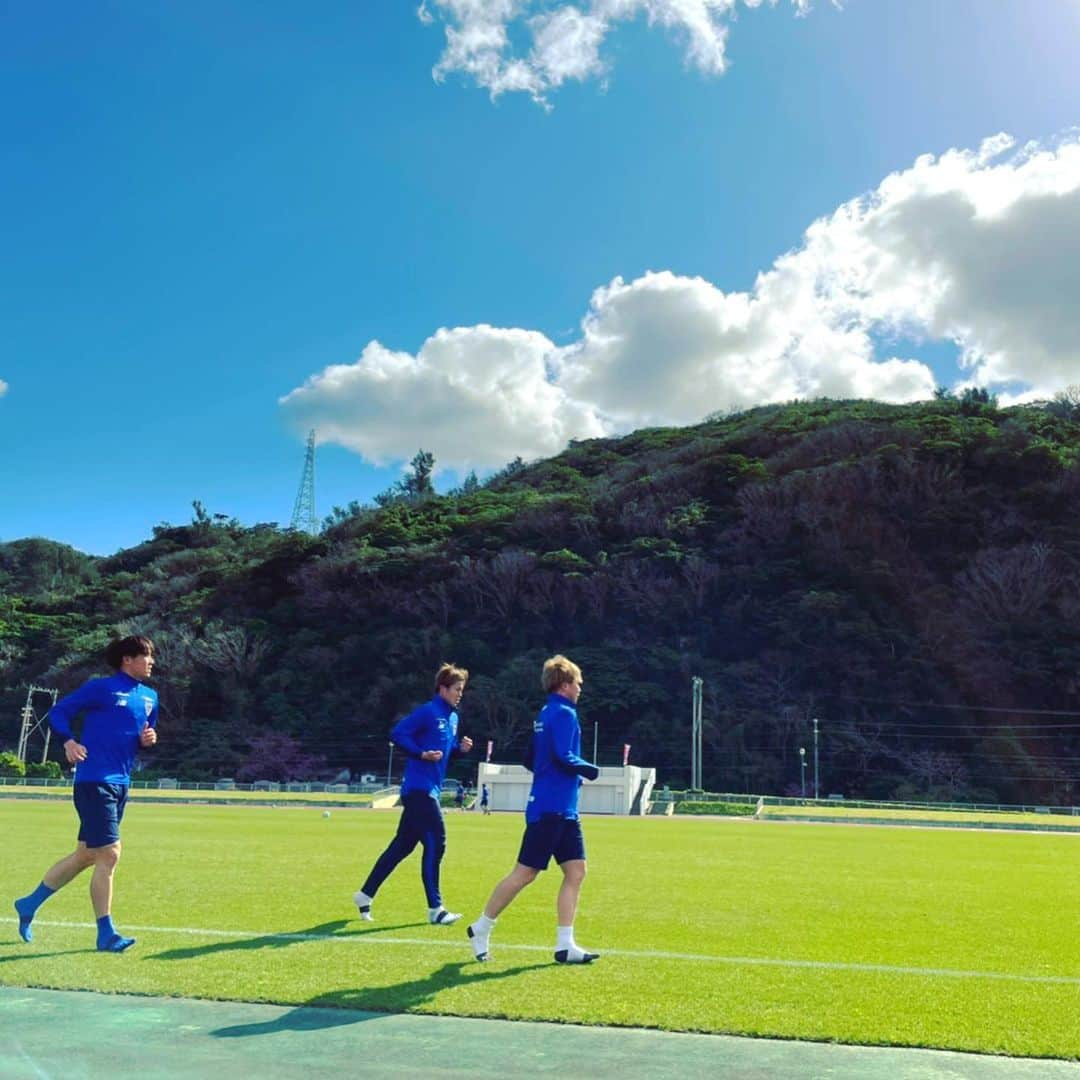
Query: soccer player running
x=552 y=826
x=119 y=717
x=428 y=735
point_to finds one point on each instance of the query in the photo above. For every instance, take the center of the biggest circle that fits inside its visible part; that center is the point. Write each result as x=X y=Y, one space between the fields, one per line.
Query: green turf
x=720 y=893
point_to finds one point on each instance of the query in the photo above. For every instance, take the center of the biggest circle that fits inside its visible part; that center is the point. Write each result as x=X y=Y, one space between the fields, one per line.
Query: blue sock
x=108 y=940
x=27 y=907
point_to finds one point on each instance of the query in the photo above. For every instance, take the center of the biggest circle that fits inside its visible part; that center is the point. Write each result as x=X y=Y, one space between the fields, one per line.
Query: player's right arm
x=63 y=714
x=405 y=735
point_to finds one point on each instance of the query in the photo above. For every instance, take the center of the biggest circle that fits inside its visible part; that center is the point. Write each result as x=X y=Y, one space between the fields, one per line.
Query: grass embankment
x=179 y=795
x=999 y=818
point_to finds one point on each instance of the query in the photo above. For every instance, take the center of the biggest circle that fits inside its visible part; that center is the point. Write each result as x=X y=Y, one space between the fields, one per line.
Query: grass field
x=912 y=937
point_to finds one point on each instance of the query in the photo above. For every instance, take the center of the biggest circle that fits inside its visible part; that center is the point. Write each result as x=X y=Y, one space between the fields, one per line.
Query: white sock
x=564 y=938
x=433 y=911
x=484 y=925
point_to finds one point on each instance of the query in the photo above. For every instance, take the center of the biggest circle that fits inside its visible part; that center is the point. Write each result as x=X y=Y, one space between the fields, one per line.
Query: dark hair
x=129 y=646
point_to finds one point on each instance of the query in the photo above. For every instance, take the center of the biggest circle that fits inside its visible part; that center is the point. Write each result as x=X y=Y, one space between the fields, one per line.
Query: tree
x=278 y=757
x=417 y=483
x=415 y=486
x=1066 y=403
x=975 y=399
x=508 y=472
x=340 y=514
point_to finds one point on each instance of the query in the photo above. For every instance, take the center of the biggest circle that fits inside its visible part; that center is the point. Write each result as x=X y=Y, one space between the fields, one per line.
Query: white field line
x=374 y=938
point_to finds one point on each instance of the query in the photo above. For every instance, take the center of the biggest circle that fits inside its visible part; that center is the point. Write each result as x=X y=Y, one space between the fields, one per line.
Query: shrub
x=722 y=809
x=11 y=765
x=46 y=770
x=565 y=560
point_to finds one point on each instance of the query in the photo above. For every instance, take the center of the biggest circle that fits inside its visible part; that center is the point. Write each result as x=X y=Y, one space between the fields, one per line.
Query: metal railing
x=215 y=785
x=658 y=795
x=662 y=795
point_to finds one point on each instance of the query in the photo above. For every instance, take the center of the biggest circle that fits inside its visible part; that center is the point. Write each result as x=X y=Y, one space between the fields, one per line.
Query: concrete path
x=83 y=1036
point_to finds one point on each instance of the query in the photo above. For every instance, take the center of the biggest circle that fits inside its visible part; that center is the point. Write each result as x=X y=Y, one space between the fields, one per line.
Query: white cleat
x=575 y=955
x=480 y=943
x=442 y=917
x=363 y=904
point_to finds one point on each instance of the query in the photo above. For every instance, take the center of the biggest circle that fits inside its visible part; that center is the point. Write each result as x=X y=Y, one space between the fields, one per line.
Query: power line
x=962 y=708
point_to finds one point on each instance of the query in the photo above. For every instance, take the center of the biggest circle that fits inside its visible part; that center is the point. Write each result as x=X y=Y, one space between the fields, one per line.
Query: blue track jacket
x=433 y=726
x=557 y=763
x=115 y=710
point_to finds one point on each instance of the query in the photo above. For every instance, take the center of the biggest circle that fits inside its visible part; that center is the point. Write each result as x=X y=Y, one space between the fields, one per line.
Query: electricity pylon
x=31 y=722
x=303 y=514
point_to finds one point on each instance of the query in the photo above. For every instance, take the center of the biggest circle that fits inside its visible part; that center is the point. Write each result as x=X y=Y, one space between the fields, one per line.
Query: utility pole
x=303 y=515
x=389 y=765
x=695 y=733
x=817 y=785
x=802 y=770
x=595 y=729
x=31 y=722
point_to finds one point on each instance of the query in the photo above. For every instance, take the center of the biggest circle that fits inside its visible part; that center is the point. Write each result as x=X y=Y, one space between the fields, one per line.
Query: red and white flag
x=626 y=753
x=491 y=746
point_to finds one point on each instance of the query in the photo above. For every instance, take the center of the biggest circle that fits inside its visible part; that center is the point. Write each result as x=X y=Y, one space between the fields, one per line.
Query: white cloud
x=476 y=396
x=566 y=38
x=3 y=388
x=980 y=248
x=973 y=247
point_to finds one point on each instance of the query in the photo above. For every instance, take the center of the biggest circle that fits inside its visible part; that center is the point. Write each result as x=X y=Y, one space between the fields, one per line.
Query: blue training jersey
x=557 y=763
x=115 y=710
x=433 y=726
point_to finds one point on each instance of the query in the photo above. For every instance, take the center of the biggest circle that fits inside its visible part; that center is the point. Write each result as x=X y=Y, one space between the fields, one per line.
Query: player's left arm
x=562 y=726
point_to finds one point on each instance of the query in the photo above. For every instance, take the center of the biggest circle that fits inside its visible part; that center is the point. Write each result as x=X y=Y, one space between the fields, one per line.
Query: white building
x=619 y=790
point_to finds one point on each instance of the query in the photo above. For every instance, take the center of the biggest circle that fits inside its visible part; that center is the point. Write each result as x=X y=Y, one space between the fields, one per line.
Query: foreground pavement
x=75 y=1035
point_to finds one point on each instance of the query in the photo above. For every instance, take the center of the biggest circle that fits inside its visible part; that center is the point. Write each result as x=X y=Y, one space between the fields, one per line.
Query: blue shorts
x=552 y=837
x=101 y=809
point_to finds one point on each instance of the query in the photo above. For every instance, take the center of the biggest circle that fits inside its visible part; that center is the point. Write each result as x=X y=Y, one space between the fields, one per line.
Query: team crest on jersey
x=149 y=706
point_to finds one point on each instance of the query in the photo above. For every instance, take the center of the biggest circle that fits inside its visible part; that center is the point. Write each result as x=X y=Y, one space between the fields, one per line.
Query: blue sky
x=208 y=206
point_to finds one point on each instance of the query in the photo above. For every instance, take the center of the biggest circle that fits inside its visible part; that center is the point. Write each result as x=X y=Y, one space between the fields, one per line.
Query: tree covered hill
x=906 y=574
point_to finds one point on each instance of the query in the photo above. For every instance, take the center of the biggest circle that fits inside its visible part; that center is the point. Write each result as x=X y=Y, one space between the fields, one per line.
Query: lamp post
x=595 y=729
x=802 y=769
x=696 y=684
x=817 y=785
x=389 y=764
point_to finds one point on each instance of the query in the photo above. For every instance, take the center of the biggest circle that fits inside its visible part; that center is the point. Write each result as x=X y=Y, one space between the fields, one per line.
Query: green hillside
x=895 y=571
